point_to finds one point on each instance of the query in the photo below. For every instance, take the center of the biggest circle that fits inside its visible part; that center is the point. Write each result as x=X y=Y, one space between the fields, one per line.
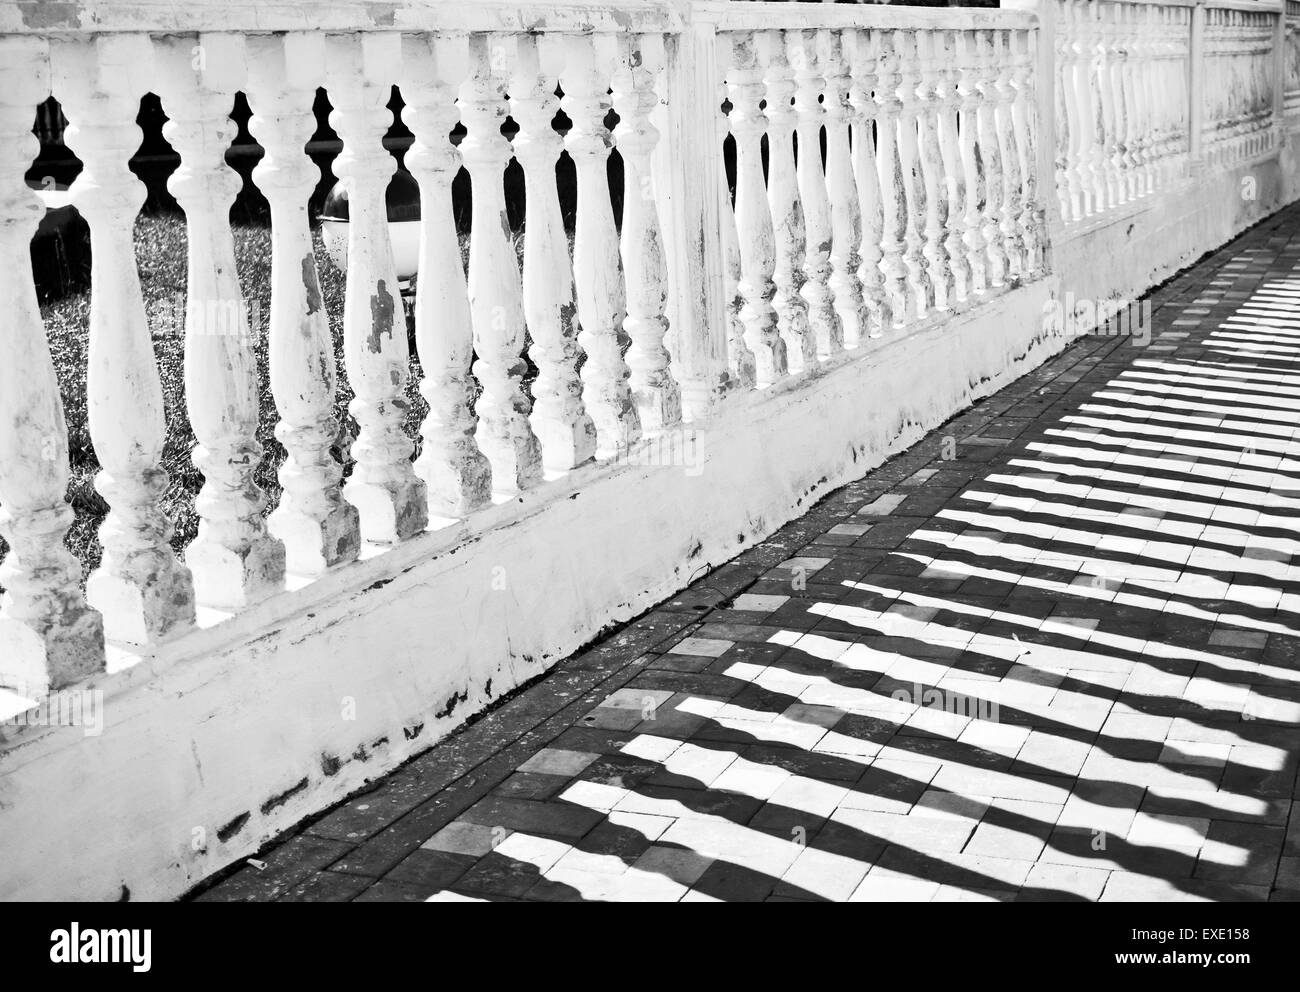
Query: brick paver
x=1051 y=652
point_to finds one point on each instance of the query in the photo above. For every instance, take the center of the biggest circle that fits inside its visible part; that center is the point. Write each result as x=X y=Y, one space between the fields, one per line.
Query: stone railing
x=838 y=307
x=941 y=214
x=1235 y=117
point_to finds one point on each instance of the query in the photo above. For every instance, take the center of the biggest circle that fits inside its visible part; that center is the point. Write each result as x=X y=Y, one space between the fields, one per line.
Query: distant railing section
x=1147 y=92
x=1240 y=71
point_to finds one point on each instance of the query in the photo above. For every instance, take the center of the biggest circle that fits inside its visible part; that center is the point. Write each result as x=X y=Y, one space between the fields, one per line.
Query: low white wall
x=248 y=718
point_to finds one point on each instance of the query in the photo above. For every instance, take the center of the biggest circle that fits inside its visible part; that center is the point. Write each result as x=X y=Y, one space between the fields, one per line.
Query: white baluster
x=954 y=175
x=753 y=219
x=383 y=486
x=846 y=214
x=1144 y=101
x=1063 y=100
x=1132 y=110
x=918 y=280
x=973 y=235
x=804 y=56
x=599 y=280
x=1177 y=33
x=787 y=211
x=1213 y=87
x=49 y=638
x=937 y=266
x=658 y=397
x=456 y=474
x=140 y=588
x=1156 y=94
x=319 y=529
x=1091 y=105
x=1113 y=76
x=990 y=158
x=496 y=306
x=740 y=360
x=563 y=428
x=1008 y=157
x=860 y=49
x=889 y=170
x=1075 y=91
x=1024 y=118
x=234 y=560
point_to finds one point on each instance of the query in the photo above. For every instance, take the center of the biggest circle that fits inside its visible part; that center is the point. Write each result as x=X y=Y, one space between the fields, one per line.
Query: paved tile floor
x=1051 y=652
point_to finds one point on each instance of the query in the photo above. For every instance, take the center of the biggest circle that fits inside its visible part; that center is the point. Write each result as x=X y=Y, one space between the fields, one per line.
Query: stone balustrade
x=909 y=185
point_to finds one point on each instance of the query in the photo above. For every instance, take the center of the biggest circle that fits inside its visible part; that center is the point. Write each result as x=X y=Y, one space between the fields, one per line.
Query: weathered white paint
x=786 y=202
x=1154 y=171
x=813 y=199
x=563 y=427
x=234 y=559
x=842 y=191
x=42 y=18
x=687 y=173
x=1131 y=250
x=655 y=390
x=318 y=527
x=48 y=637
x=599 y=277
x=746 y=91
x=384 y=488
x=458 y=476
x=495 y=292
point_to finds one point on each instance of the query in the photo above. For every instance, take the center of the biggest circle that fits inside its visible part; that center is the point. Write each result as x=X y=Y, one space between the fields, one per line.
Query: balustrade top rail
x=56 y=17
x=728 y=15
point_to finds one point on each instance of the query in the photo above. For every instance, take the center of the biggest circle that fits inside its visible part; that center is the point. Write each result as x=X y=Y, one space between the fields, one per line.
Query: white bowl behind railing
x=402 y=199
x=404 y=234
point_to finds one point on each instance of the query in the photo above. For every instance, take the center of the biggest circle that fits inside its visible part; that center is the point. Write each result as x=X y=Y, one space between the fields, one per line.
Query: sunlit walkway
x=1052 y=652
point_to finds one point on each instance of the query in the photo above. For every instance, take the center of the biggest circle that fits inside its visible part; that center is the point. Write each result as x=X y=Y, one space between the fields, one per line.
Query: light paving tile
x=755 y=603
x=707 y=647
x=824 y=874
x=466 y=838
